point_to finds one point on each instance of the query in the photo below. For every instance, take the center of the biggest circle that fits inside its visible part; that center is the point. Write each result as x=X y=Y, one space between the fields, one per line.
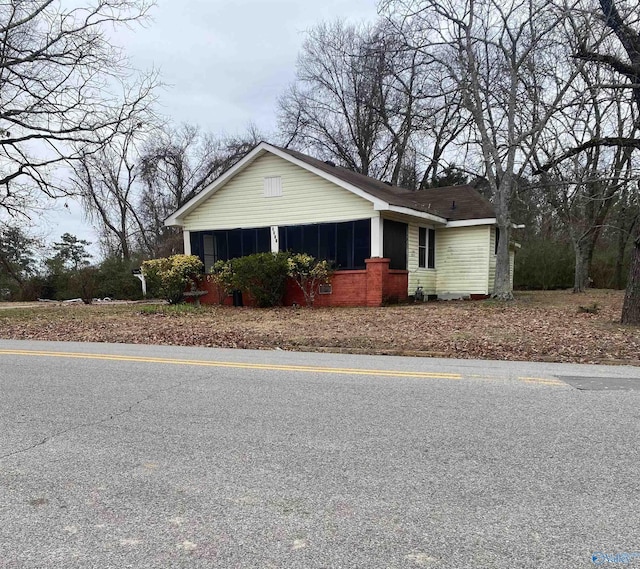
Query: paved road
x=145 y=456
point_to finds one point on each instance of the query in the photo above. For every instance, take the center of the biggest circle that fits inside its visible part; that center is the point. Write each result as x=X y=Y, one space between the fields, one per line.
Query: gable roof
x=434 y=204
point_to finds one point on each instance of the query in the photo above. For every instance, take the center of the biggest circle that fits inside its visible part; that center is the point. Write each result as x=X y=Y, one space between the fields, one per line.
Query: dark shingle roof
x=469 y=203
x=456 y=202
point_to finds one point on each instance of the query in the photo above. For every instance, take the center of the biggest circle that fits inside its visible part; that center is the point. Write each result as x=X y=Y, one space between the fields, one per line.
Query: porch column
x=186 y=236
x=275 y=245
x=377 y=272
x=376 y=236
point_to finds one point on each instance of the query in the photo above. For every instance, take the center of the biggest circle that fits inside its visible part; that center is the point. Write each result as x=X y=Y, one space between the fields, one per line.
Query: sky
x=224 y=64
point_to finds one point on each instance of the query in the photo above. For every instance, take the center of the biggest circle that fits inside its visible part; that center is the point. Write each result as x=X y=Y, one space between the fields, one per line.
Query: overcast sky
x=225 y=64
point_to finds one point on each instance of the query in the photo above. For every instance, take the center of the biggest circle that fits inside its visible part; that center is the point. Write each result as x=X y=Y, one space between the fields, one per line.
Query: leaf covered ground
x=537 y=326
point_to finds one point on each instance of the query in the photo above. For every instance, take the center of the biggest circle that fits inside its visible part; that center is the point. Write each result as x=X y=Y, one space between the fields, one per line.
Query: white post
x=275 y=245
x=144 y=283
x=186 y=235
x=376 y=236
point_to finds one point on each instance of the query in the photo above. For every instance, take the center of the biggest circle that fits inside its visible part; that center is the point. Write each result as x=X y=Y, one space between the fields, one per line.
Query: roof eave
x=436 y=219
x=472 y=222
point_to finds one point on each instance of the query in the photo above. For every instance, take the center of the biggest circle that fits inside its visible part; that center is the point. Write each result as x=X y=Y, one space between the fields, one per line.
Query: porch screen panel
x=212 y=246
x=327 y=242
x=195 y=237
x=394 y=244
x=346 y=245
x=361 y=242
x=208 y=252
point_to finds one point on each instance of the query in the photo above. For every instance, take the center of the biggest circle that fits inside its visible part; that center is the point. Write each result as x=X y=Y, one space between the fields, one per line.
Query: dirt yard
x=538 y=326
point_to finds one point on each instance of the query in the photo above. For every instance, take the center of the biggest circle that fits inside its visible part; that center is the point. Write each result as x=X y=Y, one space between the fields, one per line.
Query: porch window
x=212 y=246
x=346 y=245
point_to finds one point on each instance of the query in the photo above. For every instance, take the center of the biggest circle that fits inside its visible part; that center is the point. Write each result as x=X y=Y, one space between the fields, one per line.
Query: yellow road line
x=270 y=367
x=542 y=380
x=266 y=367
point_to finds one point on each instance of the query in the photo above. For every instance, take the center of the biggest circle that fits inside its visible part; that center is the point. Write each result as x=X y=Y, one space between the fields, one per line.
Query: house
x=384 y=241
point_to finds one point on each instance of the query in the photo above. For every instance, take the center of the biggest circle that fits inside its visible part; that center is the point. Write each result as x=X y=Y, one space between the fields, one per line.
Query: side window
x=497 y=240
x=422 y=247
x=431 y=252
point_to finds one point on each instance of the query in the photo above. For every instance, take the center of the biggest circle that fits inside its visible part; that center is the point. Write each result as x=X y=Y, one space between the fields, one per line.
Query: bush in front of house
x=171 y=277
x=222 y=277
x=308 y=273
x=263 y=276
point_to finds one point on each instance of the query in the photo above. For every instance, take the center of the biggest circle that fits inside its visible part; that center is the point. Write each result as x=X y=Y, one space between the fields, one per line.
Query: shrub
x=309 y=274
x=84 y=283
x=543 y=264
x=116 y=280
x=170 y=277
x=223 y=279
x=263 y=276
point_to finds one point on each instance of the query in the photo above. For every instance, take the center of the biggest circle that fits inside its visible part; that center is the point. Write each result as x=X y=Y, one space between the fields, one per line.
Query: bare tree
x=63 y=87
x=494 y=55
x=107 y=181
x=584 y=188
x=629 y=68
x=331 y=109
x=175 y=165
x=362 y=99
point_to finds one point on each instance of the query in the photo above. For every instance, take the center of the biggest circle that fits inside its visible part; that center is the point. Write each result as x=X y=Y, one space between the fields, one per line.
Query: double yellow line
x=239 y=365
x=270 y=367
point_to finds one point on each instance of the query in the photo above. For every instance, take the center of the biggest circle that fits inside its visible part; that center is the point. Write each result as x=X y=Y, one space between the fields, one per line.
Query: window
x=497 y=240
x=426 y=248
x=431 y=249
x=346 y=244
x=273 y=187
x=422 y=247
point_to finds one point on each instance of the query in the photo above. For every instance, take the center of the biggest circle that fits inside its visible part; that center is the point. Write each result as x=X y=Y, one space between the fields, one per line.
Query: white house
x=276 y=199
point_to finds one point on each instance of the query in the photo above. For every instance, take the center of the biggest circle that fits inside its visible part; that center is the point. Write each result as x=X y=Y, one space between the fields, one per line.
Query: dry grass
x=538 y=326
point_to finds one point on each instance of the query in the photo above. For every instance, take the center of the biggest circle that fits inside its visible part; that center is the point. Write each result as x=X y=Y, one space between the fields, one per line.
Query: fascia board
x=472 y=222
x=414 y=213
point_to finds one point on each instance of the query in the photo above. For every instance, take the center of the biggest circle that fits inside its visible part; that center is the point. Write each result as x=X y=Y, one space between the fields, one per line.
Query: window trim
x=427 y=251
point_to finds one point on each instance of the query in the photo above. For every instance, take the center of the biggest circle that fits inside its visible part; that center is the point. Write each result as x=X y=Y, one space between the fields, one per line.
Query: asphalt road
x=147 y=456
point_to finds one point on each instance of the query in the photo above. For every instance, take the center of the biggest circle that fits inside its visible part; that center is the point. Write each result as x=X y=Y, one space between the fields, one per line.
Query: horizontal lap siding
x=492 y=259
x=462 y=260
x=512 y=265
x=426 y=278
x=306 y=198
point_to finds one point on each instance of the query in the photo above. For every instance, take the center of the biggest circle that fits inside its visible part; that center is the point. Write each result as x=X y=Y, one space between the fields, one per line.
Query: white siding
x=426 y=278
x=512 y=264
x=462 y=260
x=306 y=198
x=492 y=259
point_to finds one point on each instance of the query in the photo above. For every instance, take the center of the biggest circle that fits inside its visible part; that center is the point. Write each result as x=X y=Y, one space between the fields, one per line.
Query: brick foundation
x=374 y=286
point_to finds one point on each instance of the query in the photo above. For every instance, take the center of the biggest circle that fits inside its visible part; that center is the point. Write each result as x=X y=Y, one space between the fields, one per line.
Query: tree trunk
x=502 y=289
x=584 y=254
x=631 y=307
